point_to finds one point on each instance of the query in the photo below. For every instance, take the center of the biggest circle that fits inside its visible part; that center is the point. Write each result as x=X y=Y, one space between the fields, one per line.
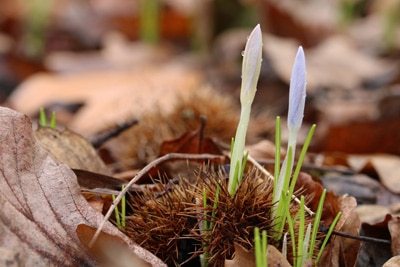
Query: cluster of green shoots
x=284 y=181
x=43 y=119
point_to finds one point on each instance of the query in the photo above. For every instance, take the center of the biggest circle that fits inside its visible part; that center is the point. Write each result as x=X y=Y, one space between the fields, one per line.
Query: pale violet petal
x=297 y=92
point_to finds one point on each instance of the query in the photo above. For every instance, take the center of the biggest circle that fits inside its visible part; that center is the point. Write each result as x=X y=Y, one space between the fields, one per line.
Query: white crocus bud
x=250 y=73
x=251 y=66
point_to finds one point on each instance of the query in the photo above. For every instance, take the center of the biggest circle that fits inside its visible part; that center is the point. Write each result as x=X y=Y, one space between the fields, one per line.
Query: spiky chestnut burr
x=170 y=225
x=160 y=224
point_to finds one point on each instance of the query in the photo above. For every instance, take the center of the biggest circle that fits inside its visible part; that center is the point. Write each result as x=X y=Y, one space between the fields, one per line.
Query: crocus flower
x=297 y=98
x=250 y=73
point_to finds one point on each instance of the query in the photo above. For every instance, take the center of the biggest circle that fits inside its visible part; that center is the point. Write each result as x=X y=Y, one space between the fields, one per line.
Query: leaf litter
x=42 y=205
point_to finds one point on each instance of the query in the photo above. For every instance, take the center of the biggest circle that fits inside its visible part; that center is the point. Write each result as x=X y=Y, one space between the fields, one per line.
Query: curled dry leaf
x=70 y=148
x=41 y=204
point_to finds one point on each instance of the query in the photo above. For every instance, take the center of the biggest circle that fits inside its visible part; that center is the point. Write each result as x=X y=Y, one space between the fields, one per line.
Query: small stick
x=139 y=175
x=271 y=177
x=357 y=237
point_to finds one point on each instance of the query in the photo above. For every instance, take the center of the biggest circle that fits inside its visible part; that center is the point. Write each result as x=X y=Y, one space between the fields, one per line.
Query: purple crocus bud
x=297 y=96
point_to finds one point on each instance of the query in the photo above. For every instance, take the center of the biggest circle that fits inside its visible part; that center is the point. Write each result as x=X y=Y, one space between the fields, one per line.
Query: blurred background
x=100 y=62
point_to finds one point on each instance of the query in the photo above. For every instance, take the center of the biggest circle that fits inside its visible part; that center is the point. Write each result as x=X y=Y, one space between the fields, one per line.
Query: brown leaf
x=392 y=262
x=70 y=148
x=394 y=229
x=275 y=258
x=376 y=137
x=110 y=250
x=41 y=202
x=313 y=188
x=192 y=142
x=385 y=166
x=343 y=251
x=244 y=257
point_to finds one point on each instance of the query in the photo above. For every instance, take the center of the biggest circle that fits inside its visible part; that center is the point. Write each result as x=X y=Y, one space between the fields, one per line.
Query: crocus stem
x=237 y=153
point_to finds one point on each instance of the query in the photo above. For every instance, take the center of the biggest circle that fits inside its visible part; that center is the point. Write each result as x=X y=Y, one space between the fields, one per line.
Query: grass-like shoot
x=43 y=119
x=149 y=21
x=250 y=73
x=260 y=247
x=120 y=216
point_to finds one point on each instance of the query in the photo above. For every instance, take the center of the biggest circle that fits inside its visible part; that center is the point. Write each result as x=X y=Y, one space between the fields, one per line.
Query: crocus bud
x=250 y=72
x=251 y=66
x=297 y=96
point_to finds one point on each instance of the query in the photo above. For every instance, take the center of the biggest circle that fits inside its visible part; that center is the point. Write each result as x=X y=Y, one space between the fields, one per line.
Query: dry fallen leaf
x=41 y=202
x=244 y=257
x=394 y=229
x=343 y=251
x=70 y=148
x=386 y=166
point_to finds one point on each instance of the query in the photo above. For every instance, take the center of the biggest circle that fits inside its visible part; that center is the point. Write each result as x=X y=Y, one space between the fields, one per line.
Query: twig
x=271 y=177
x=140 y=174
x=357 y=237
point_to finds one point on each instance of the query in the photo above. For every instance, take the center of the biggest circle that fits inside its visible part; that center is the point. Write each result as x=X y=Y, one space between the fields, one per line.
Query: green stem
x=328 y=235
x=301 y=158
x=237 y=154
x=149 y=21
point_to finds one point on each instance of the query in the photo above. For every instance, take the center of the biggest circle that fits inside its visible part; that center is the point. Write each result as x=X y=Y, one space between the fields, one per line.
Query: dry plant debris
x=42 y=205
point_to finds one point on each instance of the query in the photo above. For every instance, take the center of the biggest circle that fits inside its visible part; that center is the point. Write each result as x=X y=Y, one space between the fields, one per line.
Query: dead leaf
x=386 y=166
x=275 y=258
x=313 y=188
x=392 y=262
x=41 y=202
x=11 y=258
x=394 y=229
x=363 y=137
x=323 y=63
x=192 y=142
x=310 y=23
x=121 y=93
x=372 y=214
x=244 y=257
x=70 y=148
x=109 y=250
x=343 y=251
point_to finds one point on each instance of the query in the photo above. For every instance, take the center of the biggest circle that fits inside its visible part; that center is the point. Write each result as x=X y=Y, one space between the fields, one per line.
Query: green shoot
x=204 y=260
x=149 y=21
x=53 y=120
x=301 y=158
x=317 y=220
x=291 y=232
x=120 y=217
x=301 y=232
x=36 y=24
x=117 y=217
x=260 y=248
x=43 y=119
x=328 y=235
